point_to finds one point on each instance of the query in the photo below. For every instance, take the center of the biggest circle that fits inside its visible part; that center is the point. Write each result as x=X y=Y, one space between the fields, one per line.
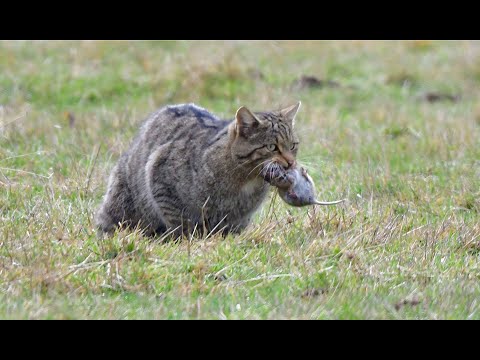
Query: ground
x=392 y=126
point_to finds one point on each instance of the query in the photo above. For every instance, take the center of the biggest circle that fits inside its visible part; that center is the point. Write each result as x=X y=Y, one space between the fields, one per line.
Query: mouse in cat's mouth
x=295 y=186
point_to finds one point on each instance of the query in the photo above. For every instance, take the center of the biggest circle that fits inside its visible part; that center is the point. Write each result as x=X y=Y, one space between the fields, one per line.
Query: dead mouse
x=295 y=186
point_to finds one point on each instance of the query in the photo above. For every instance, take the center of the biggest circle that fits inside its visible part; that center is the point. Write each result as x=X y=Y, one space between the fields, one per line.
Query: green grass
x=406 y=245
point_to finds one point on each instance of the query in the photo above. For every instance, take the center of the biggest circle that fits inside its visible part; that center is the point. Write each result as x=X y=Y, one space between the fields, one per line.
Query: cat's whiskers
x=271 y=168
x=263 y=162
x=241 y=164
x=267 y=168
x=275 y=168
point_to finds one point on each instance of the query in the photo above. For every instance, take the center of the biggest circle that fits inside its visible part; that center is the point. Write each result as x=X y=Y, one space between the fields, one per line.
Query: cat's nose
x=289 y=159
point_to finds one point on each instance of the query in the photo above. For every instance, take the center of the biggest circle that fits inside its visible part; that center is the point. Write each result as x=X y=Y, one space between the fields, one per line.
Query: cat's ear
x=290 y=112
x=246 y=122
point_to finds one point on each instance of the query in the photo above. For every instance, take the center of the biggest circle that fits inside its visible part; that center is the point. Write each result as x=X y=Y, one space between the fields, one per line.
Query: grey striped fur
x=186 y=169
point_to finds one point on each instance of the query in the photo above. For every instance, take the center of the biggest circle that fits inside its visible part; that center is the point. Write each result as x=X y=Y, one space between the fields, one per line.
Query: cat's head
x=265 y=138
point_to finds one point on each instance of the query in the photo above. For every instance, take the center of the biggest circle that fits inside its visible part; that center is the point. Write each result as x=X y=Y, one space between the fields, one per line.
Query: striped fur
x=188 y=169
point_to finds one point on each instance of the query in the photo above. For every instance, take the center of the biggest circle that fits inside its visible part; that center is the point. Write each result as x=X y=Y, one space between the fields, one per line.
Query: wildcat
x=188 y=170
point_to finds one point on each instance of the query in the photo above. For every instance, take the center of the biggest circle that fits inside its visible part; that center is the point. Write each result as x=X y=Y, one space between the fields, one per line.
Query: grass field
x=396 y=132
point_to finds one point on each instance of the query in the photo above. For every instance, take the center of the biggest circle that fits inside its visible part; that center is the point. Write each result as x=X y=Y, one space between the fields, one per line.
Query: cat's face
x=264 y=139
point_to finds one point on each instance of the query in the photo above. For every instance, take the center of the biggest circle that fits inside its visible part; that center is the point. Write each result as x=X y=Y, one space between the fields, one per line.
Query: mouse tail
x=329 y=202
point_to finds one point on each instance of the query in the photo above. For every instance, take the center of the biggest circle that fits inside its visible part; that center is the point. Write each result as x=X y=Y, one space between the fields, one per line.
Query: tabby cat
x=187 y=170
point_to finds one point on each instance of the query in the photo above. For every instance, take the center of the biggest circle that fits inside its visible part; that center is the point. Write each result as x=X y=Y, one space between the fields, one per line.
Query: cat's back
x=180 y=122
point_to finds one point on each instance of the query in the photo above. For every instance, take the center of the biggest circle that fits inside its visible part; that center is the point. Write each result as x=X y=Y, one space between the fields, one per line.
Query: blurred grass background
x=394 y=126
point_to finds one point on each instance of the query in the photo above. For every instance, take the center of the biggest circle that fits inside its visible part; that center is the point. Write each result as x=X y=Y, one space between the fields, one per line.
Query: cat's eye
x=294 y=146
x=271 y=147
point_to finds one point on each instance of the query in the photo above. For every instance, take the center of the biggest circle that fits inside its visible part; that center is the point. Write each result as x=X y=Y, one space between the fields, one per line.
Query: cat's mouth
x=274 y=172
